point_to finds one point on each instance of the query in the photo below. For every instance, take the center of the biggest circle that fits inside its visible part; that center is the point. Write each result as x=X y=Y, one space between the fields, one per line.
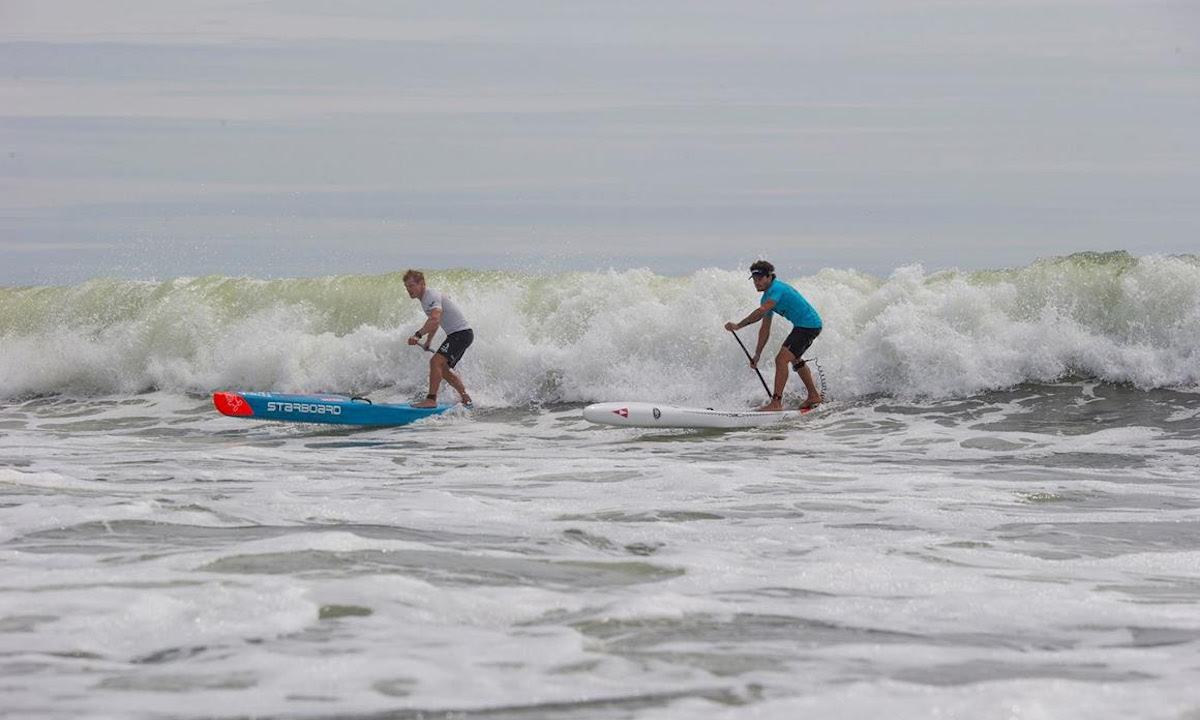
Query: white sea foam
x=588 y=336
x=963 y=555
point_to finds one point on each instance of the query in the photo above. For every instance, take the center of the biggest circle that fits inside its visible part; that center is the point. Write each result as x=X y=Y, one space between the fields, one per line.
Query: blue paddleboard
x=331 y=409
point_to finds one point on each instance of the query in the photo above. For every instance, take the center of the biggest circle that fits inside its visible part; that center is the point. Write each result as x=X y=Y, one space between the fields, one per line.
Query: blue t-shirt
x=791 y=304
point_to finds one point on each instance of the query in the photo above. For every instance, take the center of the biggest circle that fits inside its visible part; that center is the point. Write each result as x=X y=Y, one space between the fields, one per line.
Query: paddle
x=751 y=359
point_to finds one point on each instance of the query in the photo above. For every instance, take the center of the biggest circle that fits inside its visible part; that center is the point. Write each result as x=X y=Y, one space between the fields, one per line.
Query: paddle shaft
x=751 y=359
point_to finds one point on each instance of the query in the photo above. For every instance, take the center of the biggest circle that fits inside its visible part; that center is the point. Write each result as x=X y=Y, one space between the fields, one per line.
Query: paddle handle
x=751 y=359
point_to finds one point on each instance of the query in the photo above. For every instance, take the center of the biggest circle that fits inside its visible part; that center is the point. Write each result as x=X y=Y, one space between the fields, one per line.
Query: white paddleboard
x=650 y=415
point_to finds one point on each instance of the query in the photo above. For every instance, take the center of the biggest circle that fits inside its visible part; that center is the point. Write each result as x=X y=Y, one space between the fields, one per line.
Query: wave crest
x=579 y=337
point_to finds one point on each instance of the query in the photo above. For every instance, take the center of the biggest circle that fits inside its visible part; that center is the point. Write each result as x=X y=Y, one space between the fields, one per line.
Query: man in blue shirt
x=779 y=297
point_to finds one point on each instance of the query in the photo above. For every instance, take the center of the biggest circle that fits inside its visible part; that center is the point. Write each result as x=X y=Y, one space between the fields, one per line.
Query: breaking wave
x=578 y=337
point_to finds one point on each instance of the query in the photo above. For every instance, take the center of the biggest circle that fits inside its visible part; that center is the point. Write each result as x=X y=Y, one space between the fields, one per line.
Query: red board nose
x=231 y=404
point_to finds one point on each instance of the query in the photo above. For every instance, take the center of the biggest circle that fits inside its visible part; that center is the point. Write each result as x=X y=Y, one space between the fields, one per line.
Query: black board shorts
x=455 y=344
x=798 y=341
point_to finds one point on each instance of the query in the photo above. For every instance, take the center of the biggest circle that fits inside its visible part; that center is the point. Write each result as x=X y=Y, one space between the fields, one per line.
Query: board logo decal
x=623 y=412
x=307 y=408
x=657 y=414
x=232 y=404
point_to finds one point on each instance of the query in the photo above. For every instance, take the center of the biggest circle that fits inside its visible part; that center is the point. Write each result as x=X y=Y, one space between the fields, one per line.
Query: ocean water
x=996 y=515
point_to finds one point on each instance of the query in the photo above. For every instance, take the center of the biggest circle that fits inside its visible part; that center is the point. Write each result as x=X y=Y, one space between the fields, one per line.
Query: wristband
x=417 y=334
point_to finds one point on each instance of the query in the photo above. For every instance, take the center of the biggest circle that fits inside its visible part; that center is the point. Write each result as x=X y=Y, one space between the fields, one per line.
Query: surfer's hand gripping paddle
x=751 y=359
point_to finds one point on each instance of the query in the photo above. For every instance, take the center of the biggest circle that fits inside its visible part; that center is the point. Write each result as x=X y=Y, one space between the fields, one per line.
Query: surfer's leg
x=799 y=341
x=456 y=382
x=437 y=368
x=452 y=351
x=782 y=361
x=814 y=395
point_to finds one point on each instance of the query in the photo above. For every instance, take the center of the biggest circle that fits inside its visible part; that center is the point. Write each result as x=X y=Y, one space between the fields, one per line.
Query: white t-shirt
x=452 y=318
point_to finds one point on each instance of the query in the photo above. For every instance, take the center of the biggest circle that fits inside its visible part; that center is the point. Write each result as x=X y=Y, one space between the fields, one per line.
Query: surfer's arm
x=759 y=313
x=428 y=329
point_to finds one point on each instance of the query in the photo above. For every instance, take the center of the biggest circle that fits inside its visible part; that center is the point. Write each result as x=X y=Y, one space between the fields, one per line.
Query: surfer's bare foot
x=775 y=405
x=466 y=400
x=426 y=403
x=811 y=402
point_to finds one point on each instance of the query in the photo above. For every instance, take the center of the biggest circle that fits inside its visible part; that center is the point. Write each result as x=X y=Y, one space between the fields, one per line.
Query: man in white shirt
x=444 y=312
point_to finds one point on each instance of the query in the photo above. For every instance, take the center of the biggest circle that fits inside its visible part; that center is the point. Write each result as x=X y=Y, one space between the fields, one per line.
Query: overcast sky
x=151 y=139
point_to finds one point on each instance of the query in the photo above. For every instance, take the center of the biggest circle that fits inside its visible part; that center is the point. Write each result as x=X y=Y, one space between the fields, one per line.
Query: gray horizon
x=291 y=138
